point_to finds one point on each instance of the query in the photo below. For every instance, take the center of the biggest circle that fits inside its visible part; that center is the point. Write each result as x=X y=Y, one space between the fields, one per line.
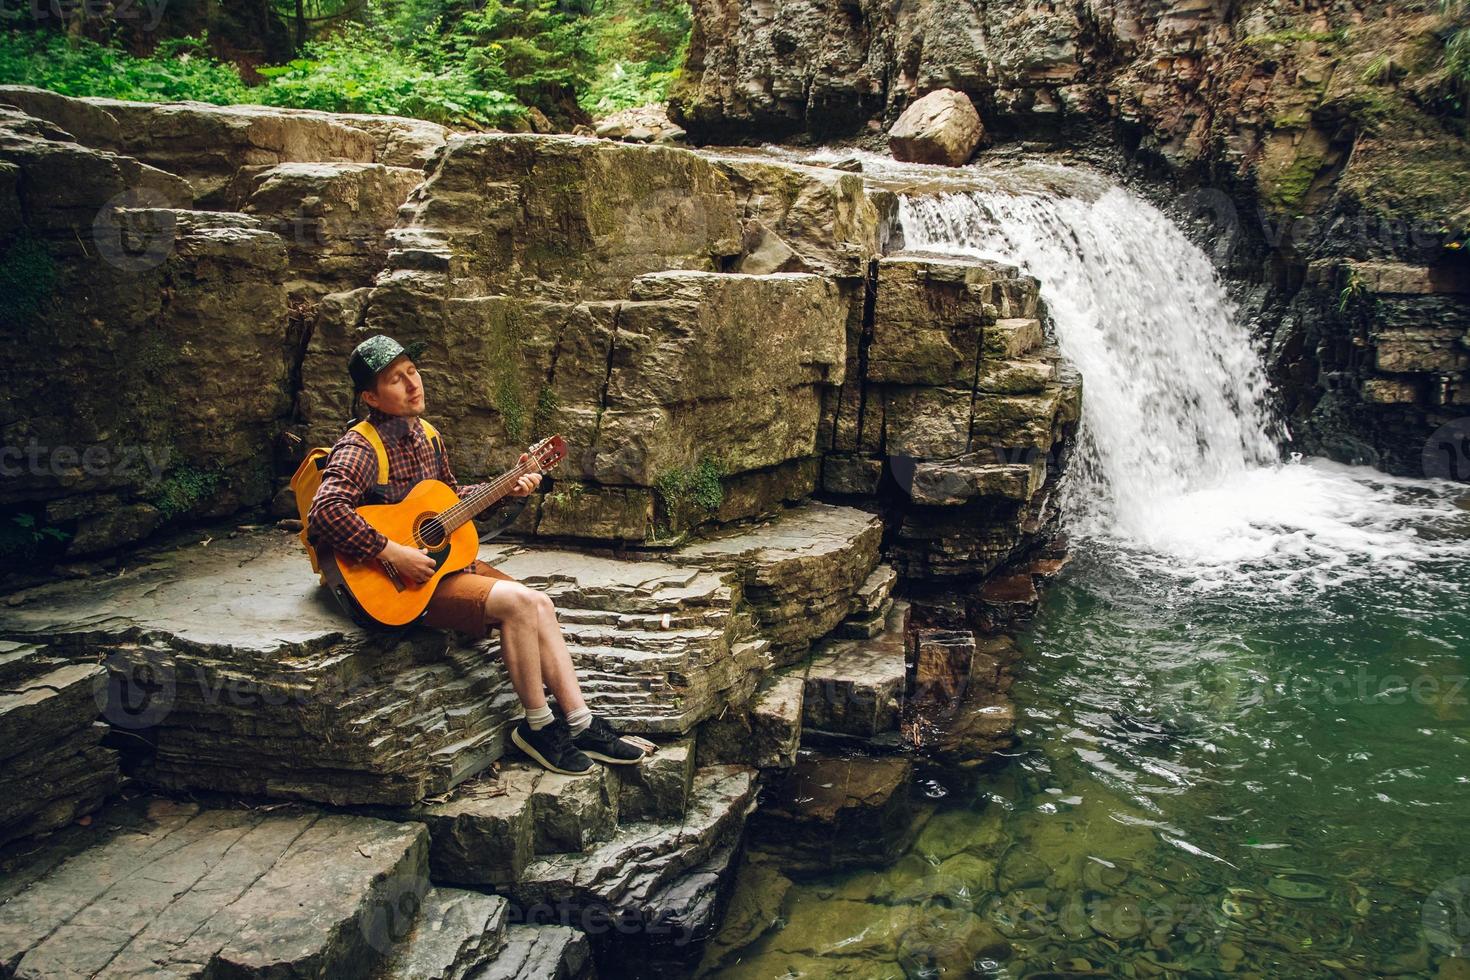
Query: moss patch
x=27 y=281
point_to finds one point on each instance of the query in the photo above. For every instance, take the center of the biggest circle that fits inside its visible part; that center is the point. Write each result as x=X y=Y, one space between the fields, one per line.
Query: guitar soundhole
x=429 y=531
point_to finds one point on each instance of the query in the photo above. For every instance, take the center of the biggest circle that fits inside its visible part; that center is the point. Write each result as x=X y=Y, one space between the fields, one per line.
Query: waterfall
x=1173 y=393
x=1176 y=459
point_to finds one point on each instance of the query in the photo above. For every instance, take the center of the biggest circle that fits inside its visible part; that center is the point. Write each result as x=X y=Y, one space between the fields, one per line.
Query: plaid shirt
x=352 y=470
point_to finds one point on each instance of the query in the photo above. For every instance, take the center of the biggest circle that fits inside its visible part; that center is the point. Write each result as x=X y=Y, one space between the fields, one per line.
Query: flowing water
x=1243 y=709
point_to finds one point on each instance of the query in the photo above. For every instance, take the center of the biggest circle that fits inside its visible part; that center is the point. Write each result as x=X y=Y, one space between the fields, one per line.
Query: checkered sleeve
x=351 y=470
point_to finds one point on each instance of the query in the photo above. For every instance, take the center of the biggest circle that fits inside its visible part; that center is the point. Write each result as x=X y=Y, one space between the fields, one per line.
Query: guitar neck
x=484 y=496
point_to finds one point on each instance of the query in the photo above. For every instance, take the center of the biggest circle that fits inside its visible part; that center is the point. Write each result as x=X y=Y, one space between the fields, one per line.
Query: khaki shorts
x=458 y=603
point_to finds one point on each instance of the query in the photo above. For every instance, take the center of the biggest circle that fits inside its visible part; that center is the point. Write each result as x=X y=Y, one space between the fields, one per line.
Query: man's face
x=400 y=389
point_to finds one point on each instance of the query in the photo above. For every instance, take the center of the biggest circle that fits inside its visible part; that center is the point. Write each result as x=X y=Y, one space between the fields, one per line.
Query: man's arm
x=333 y=518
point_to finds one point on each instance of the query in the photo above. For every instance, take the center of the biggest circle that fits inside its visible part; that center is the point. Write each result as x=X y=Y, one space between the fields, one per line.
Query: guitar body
x=392 y=600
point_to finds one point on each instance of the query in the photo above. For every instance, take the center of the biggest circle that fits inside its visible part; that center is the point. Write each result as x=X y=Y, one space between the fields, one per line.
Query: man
x=473 y=600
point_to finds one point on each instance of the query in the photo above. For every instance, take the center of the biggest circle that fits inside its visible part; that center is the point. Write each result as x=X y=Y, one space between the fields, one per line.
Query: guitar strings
x=469 y=506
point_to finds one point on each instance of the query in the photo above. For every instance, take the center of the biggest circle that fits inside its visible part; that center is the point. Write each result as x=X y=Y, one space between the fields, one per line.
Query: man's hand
x=527 y=484
x=413 y=564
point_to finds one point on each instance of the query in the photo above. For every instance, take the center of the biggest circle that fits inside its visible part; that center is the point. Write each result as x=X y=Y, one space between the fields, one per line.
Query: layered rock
x=155 y=885
x=54 y=769
x=128 y=302
x=1320 y=136
x=197 y=893
x=219 y=149
x=962 y=409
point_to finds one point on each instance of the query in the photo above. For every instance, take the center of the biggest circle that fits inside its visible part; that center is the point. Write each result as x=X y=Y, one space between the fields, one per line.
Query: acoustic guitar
x=429 y=516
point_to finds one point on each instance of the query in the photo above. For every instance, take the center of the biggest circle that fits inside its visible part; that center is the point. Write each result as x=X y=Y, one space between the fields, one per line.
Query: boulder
x=942 y=127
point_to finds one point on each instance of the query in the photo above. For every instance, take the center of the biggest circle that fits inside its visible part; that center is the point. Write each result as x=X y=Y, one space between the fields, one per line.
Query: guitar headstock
x=547 y=453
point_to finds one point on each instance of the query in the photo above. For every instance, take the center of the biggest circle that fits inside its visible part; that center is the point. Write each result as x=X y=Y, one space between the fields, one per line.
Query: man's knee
x=512 y=600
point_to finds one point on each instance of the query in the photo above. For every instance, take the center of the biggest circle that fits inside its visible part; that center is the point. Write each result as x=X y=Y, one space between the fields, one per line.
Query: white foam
x=1177 y=461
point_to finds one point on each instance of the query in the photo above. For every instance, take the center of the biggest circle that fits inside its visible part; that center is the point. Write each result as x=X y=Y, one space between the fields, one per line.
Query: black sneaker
x=552 y=747
x=602 y=742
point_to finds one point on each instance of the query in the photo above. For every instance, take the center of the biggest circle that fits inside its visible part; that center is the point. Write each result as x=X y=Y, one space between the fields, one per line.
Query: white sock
x=578 y=720
x=539 y=718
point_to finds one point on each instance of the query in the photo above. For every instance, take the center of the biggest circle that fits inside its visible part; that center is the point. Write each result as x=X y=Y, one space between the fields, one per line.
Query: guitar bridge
x=392 y=574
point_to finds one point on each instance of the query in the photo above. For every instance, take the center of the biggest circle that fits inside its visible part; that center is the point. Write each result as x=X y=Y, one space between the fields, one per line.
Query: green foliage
x=700 y=485
x=507 y=401
x=362 y=72
x=1352 y=292
x=546 y=406
x=22 y=538
x=465 y=63
x=639 y=47
x=1294 y=37
x=180 y=68
x=1457 y=44
x=183 y=489
x=27 y=280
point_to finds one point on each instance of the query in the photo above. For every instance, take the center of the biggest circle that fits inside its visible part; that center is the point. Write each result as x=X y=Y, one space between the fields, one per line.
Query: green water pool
x=1252 y=774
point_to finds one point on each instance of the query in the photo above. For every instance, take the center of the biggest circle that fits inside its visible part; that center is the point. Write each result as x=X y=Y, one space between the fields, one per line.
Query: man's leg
x=536 y=654
x=518 y=610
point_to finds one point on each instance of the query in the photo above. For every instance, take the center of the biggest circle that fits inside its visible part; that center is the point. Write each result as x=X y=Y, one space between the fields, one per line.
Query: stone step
x=856 y=687
x=1011 y=338
x=454 y=935
x=542 y=953
x=799 y=570
x=53 y=767
x=485 y=831
x=653 y=882
x=766 y=733
x=155 y=887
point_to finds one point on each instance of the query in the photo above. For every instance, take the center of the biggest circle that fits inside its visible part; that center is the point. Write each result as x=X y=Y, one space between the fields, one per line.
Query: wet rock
x=942 y=127
x=856 y=687
x=833 y=812
x=754 y=909
x=653 y=886
x=765 y=733
x=553 y=952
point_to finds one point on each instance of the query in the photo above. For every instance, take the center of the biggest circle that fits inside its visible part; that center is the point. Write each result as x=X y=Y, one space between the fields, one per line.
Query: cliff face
x=718 y=338
x=1329 y=140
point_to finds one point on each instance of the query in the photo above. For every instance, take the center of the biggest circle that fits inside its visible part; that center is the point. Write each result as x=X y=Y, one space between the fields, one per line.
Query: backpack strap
x=370 y=432
x=435 y=440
